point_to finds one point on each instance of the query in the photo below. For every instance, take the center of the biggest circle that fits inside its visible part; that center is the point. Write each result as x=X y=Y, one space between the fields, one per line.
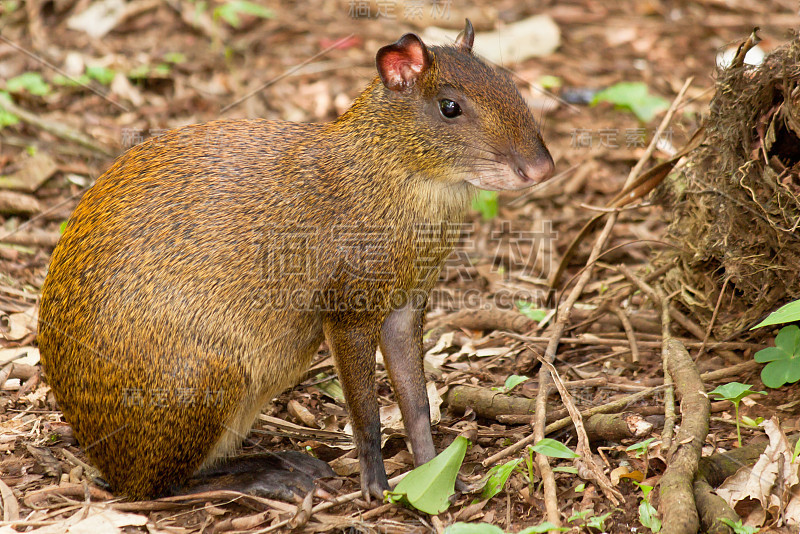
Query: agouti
x=200 y=274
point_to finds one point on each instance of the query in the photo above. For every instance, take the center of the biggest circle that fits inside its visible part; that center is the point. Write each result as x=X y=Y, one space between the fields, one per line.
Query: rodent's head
x=472 y=114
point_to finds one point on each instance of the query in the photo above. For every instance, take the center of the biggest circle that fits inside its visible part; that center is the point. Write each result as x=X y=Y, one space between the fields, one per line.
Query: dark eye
x=449 y=109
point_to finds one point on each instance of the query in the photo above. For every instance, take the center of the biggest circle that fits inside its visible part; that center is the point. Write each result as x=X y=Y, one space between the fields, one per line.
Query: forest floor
x=83 y=99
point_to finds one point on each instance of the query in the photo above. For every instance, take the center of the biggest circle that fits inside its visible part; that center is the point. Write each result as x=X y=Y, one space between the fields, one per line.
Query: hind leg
x=285 y=475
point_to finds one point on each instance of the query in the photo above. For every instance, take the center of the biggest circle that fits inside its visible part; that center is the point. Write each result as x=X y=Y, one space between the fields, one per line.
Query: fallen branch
x=490 y=403
x=487 y=403
x=617 y=426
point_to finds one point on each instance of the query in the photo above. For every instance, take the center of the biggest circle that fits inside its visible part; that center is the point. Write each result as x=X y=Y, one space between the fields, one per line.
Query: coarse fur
x=199 y=275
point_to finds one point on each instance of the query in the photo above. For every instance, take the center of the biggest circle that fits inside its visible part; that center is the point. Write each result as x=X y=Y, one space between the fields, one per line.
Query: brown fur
x=162 y=329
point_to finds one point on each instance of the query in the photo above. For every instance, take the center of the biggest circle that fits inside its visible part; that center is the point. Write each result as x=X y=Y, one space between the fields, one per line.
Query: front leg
x=401 y=346
x=352 y=340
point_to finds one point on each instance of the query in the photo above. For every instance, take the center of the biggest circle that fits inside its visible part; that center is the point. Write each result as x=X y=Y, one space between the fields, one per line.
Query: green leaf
x=428 y=487
x=62 y=227
x=635 y=97
x=103 y=75
x=9 y=6
x=161 y=70
x=513 y=381
x=788 y=339
x=749 y=421
x=473 y=528
x=565 y=469
x=785 y=314
x=580 y=515
x=784 y=358
x=6 y=117
x=230 y=11
x=648 y=516
x=139 y=72
x=174 y=57
x=528 y=310
x=331 y=386
x=542 y=527
x=31 y=82
x=645 y=488
x=580 y=488
x=550 y=82
x=598 y=521
x=554 y=449
x=497 y=477
x=796 y=452
x=60 y=79
x=641 y=447
x=486 y=203
x=776 y=374
x=738 y=527
x=734 y=391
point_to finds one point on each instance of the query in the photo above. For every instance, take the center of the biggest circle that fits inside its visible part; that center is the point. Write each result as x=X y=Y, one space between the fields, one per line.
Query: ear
x=466 y=37
x=401 y=64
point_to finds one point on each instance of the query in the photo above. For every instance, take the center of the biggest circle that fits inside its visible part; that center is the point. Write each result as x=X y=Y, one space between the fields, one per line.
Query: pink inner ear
x=402 y=66
x=416 y=57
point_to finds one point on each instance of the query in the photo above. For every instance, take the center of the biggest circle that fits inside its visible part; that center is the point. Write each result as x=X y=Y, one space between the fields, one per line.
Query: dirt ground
x=166 y=64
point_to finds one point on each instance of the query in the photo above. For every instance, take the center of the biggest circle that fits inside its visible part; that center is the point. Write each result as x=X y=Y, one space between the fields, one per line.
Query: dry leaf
x=107 y=520
x=770 y=481
x=31 y=355
x=19 y=325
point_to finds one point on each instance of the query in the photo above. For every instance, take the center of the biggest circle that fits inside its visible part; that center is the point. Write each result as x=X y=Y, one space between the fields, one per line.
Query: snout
x=537 y=171
x=515 y=172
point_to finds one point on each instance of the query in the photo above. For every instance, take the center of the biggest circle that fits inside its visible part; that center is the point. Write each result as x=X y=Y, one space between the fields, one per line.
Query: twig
x=321 y=507
x=733 y=370
x=628 y=327
x=10 y=504
x=713 y=318
x=540 y=417
x=59 y=130
x=591 y=340
x=604 y=209
x=651 y=293
x=587 y=470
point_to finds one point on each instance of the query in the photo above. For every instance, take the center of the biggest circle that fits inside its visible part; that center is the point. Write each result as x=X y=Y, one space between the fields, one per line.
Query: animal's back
x=154 y=322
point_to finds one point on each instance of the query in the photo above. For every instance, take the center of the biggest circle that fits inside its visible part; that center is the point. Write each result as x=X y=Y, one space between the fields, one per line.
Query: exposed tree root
x=677 y=506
